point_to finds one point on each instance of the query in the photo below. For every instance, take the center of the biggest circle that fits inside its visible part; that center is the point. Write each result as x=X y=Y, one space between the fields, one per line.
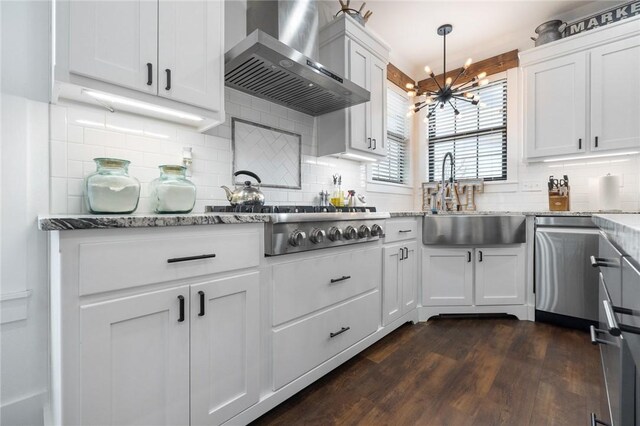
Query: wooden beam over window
x=494 y=65
x=397 y=77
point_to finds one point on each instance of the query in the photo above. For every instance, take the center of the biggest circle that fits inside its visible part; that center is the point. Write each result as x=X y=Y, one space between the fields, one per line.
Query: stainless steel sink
x=473 y=229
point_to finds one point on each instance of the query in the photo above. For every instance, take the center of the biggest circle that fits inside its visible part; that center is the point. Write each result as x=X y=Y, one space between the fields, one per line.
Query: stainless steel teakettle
x=247 y=195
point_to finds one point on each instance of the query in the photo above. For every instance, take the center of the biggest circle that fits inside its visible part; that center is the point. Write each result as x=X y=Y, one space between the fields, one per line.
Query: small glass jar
x=172 y=192
x=110 y=189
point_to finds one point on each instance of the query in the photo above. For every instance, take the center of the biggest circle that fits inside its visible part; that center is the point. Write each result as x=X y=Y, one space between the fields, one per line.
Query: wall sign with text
x=609 y=16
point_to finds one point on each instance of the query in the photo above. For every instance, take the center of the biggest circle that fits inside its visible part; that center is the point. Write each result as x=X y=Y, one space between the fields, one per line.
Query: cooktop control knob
x=377 y=231
x=297 y=237
x=335 y=233
x=317 y=236
x=364 y=231
x=350 y=233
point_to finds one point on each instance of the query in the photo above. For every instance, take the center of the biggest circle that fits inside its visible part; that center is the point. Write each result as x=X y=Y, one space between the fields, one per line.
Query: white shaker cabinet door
x=555 y=106
x=410 y=277
x=359 y=115
x=378 y=106
x=447 y=277
x=135 y=360
x=225 y=321
x=500 y=276
x=392 y=284
x=191 y=52
x=615 y=95
x=115 y=42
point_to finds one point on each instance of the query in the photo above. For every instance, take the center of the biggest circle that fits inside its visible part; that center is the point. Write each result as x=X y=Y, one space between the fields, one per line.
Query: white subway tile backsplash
x=104 y=138
x=75 y=187
x=75 y=134
x=74 y=169
x=58 y=196
x=58 y=158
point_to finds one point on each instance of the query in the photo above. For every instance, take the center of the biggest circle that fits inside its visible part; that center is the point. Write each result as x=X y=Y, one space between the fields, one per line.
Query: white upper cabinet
x=556 y=106
x=582 y=93
x=615 y=95
x=348 y=49
x=160 y=54
x=190 y=52
x=116 y=42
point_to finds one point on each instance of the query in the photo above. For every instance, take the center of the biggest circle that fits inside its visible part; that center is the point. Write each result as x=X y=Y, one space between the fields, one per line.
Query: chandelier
x=447 y=91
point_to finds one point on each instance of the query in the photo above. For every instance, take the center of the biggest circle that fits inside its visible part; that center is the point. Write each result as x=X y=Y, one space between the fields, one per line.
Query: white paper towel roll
x=609 y=193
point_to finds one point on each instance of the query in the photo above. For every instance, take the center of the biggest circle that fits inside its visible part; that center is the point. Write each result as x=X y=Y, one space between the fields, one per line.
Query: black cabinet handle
x=375 y=145
x=149 y=74
x=342 y=330
x=480 y=255
x=342 y=278
x=580 y=143
x=406 y=253
x=201 y=293
x=401 y=253
x=369 y=139
x=403 y=231
x=469 y=257
x=181 y=299
x=189 y=258
x=596 y=422
x=602 y=262
x=596 y=141
x=168 y=87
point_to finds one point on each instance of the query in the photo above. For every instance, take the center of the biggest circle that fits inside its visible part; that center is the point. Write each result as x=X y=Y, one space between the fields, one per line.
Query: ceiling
x=481 y=29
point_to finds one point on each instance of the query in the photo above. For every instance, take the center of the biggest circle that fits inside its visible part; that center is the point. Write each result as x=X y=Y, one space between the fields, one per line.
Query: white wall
x=24 y=180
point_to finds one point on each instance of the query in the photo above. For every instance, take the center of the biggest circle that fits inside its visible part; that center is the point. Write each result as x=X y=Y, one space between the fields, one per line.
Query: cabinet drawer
x=117 y=260
x=300 y=347
x=297 y=293
x=398 y=230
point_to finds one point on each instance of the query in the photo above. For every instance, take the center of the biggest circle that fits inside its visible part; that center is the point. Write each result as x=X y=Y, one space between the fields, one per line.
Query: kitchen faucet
x=444 y=199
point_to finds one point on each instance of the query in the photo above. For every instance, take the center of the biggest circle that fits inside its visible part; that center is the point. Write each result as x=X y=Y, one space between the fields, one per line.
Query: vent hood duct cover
x=263 y=66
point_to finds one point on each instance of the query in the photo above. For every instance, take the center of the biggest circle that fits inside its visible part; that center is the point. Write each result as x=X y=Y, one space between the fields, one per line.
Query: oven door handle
x=616 y=329
x=594 y=336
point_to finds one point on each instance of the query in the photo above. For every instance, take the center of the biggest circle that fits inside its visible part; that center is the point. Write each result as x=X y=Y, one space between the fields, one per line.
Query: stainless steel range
x=294 y=229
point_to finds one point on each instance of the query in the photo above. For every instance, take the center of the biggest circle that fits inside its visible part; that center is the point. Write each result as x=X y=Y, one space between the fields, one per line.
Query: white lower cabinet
x=225 y=334
x=473 y=276
x=134 y=360
x=399 y=288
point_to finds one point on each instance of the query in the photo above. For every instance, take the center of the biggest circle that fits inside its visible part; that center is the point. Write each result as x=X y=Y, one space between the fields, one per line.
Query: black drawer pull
x=369 y=139
x=201 y=313
x=342 y=330
x=579 y=143
x=401 y=253
x=602 y=262
x=469 y=257
x=596 y=141
x=181 y=299
x=342 y=278
x=480 y=255
x=149 y=74
x=596 y=422
x=189 y=258
x=594 y=336
x=406 y=253
x=168 y=87
x=375 y=145
x=403 y=231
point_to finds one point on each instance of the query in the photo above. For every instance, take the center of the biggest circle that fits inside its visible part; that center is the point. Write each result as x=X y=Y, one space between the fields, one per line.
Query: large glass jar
x=110 y=189
x=172 y=192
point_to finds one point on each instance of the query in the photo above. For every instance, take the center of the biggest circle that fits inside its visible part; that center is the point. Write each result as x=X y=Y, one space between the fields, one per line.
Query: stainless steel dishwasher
x=566 y=286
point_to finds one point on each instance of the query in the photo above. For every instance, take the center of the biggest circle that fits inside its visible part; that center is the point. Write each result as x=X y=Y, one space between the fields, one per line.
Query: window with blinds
x=477 y=137
x=394 y=168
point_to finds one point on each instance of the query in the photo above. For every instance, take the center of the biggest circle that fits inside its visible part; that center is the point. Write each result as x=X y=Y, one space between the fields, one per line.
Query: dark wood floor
x=459 y=372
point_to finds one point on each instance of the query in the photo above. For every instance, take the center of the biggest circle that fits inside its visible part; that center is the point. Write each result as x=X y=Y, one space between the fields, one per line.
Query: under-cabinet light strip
x=589 y=157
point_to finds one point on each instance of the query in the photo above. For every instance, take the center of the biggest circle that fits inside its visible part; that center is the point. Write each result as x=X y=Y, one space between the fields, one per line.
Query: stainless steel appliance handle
x=596 y=422
x=601 y=262
x=612 y=324
x=594 y=336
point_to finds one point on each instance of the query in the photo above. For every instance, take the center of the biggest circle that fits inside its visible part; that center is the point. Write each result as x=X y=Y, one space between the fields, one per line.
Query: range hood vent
x=263 y=66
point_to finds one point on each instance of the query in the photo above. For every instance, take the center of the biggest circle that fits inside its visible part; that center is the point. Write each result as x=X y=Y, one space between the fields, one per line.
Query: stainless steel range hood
x=269 y=63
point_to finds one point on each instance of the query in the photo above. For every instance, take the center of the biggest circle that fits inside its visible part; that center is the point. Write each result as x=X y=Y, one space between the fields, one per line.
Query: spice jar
x=110 y=189
x=172 y=192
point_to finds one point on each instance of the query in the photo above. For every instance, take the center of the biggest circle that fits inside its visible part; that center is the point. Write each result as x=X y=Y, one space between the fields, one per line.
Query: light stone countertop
x=623 y=230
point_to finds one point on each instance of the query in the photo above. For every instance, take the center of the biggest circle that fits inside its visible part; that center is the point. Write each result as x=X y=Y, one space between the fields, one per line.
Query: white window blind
x=395 y=167
x=477 y=137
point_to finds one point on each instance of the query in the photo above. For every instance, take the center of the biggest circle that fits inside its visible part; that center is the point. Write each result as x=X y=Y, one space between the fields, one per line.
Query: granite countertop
x=71 y=222
x=623 y=230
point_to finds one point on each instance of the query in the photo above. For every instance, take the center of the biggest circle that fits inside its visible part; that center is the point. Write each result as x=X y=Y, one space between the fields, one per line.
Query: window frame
x=391 y=187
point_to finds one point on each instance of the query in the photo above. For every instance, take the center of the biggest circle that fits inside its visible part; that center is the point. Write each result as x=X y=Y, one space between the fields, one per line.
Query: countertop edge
x=623 y=230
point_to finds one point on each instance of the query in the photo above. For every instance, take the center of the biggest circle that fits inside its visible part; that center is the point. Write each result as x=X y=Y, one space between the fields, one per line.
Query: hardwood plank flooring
x=458 y=372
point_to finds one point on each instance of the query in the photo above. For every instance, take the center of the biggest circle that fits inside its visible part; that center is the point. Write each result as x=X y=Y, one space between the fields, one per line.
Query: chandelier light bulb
x=427 y=69
x=481 y=75
x=428 y=100
x=448 y=81
x=409 y=86
x=467 y=64
x=468 y=95
x=411 y=93
x=483 y=82
x=411 y=112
